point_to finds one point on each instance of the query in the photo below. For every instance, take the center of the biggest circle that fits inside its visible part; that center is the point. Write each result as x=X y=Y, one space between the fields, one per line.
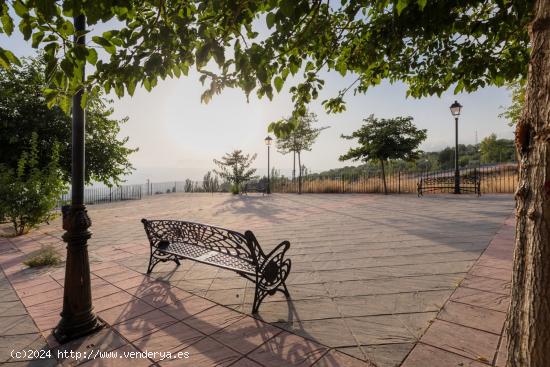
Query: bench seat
x=206 y=256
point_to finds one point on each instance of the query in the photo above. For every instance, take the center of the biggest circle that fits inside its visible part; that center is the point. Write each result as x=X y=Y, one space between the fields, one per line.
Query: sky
x=178 y=136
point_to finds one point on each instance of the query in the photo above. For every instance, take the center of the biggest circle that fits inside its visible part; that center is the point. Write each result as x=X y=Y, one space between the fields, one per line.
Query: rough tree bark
x=529 y=314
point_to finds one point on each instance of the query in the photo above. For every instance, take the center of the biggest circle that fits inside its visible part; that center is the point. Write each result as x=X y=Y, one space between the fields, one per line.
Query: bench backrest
x=203 y=235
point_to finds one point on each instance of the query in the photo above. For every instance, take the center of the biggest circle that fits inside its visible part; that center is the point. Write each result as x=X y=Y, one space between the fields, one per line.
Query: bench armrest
x=274 y=268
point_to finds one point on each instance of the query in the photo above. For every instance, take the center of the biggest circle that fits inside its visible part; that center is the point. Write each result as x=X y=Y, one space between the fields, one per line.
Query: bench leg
x=157 y=257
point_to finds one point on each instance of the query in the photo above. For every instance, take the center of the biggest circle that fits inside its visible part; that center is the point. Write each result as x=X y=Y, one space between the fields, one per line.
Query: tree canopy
x=384 y=139
x=257 y=45
x=23 y=111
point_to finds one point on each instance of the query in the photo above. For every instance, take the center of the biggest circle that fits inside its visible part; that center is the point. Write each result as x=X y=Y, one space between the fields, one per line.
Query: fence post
x=110 y=194
x=399 y=182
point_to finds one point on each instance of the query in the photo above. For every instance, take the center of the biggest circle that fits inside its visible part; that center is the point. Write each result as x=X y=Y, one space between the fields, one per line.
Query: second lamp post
x=268 y=143
x=455 y=111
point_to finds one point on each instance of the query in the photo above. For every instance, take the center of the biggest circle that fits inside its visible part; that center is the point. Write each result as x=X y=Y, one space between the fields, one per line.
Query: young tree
x=300 y=139
x=384 y=139
x=235 y=168
x=29 y=192
x=24 y=111
x=431 y=45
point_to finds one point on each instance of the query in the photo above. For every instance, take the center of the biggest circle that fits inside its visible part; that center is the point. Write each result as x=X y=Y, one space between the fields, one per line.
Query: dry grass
x=503 y=181
x=46 y=256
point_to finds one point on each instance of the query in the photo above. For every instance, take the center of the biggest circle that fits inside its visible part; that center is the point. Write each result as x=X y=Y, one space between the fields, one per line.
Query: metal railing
x=500 y=178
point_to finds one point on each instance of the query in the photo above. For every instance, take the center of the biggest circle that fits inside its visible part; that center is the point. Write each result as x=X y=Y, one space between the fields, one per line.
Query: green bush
x=235 y=189
x=29 y=194
x=45 y=256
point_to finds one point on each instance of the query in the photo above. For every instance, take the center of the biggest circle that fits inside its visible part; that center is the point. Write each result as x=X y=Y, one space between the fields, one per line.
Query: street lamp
x=268 y=143
x=78 y=317
x=455 y=111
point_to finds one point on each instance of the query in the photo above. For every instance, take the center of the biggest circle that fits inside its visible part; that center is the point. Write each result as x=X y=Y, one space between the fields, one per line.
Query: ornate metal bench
x=254 y=187
x=469 y=183
x=176 y=240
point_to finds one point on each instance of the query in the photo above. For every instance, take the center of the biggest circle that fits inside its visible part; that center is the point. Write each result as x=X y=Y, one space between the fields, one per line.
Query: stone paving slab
x=469 y=329
x=369 y=275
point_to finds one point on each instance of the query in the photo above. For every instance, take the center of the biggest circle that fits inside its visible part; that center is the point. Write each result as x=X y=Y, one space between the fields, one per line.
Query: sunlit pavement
x=374 y=277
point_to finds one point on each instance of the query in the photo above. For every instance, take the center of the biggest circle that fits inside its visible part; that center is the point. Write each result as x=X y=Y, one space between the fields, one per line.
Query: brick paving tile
x=422 y=354
x=40 y=288
x=246 y=334
x=245 y=362
x=187 y=307
x=472 y=316
x=286 y=349
x=112 y=300
x=338 y=359
x=206 y=353
x=34 y=299
x=493 y=273
x=125 y=312
x=145 y=324
x=386 y=355
x=468 y=342
x=487 y=284
x=485 y=299
x=170 y=339
x=213 y=319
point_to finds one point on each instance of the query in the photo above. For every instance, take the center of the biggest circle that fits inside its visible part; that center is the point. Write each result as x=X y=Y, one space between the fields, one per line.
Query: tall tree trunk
x=293 y=166
x=299 y=174
x=529 y=314
x=384 y=177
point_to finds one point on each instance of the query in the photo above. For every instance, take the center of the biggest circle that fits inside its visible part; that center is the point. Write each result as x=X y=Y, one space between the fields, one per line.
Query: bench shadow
x=234 y=328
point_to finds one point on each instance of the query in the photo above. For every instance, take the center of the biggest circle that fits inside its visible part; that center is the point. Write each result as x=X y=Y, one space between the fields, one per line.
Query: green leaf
x=270 y=20
x=147 y=84
x=108 y=46
x=131 y=86
x=401 y=4
x=7 y=24
x=66 y=29
x=20 y=8
x=278 y=83
x=92 y=56
x=7 y=58
x=421 y=4
x=37 y=38
x=25 y=27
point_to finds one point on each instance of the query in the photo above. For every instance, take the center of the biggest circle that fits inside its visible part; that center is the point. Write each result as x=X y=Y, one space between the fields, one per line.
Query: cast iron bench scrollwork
x=254 y=187
x=469 y=183
x=176 y=240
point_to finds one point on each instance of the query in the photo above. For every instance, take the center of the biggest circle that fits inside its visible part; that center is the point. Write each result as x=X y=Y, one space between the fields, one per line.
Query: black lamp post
x=455 y=111
x=77 y=318
x=268 y=143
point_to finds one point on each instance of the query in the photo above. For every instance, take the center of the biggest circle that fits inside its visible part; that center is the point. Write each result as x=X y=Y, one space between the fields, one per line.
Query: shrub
x=235 y=189
x=46 y=256
x=29 y=194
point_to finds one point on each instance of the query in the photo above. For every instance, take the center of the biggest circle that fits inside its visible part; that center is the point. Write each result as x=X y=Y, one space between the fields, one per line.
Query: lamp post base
x=76 y=326
x=77 y=317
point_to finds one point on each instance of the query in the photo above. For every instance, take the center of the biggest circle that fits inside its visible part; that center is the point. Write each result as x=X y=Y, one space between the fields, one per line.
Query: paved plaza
x=387 y=280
